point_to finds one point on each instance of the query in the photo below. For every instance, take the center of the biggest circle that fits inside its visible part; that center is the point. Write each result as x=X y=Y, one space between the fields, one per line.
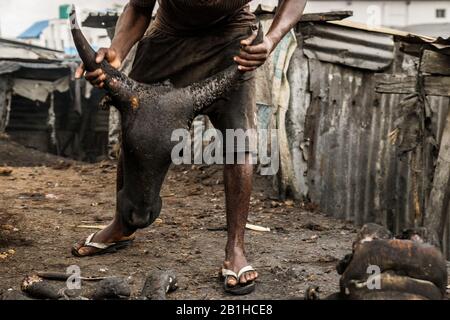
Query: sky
x=17 y=15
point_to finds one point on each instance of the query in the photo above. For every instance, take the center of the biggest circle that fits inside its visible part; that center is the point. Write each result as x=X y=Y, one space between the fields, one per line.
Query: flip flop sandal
x=239 y=289
x=104 y=248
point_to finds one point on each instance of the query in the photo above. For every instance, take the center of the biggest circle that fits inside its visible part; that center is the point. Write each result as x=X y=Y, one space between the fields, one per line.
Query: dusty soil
x=14 y=154
x=42 y=208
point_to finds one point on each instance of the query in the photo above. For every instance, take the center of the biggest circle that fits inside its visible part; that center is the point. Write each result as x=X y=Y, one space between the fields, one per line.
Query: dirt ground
x=45 y=200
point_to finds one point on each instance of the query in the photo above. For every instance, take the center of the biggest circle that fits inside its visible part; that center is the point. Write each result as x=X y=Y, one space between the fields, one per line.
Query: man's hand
x=97 y=77
x=254 y=56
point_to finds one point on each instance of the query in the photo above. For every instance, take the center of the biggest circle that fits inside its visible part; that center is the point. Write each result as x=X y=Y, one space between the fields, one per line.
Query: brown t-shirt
x=184 y=17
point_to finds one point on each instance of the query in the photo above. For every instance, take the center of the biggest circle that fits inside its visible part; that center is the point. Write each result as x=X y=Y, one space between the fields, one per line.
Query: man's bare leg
x=238 y=189
x=115 y=231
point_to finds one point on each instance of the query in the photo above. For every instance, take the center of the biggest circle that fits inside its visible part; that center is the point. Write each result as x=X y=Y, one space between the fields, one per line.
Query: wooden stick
x=64 y=276
x=437 y=213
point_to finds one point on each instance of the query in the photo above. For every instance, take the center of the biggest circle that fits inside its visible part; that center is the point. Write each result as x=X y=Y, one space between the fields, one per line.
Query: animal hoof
x=158 y=284
x=112 y=289
x=36 y=287
x=312 y=293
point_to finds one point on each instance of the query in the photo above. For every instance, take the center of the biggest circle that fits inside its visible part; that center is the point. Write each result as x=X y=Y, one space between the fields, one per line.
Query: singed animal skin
x=149 y=114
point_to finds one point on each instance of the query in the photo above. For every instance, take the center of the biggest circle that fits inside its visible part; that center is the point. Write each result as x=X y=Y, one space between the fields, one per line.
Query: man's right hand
x=98 y=77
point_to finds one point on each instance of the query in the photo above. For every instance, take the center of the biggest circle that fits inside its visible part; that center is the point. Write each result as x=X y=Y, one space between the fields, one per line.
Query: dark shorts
x=185 y=60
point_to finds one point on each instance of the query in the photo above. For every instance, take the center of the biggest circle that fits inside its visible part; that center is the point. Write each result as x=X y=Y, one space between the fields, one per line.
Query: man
x=189 y=41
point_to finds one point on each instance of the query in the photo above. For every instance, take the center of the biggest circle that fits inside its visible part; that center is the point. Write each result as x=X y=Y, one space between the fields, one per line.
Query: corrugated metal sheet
x=5 y=97
x=403 y=35
x=300 y=100
x=441 y=44
x=10 y=49
x=440 y=107
x=81 y=136
x=35 y=70
x=343 y=148
x=352 y=47
x=28 y=115
x=430 y=29
x=28 y=123
x=8 y=66
x=355 y=172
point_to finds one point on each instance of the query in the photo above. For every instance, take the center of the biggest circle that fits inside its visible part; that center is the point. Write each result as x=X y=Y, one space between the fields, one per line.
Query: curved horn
x=206 y=92
x=116 y=82
x=86 y=52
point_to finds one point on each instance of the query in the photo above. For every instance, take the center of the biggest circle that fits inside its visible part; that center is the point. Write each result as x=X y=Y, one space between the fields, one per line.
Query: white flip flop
x=240 y=288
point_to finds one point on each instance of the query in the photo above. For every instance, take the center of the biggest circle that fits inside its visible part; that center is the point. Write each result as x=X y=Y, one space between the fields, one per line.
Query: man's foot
x=110 y=239
x=235 y=262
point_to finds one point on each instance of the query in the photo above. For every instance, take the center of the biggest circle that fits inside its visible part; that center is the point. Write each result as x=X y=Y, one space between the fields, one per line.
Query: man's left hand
x=253 y=56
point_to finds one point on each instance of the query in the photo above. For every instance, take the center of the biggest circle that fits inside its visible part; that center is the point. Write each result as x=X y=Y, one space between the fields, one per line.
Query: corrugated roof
x=18 y=50
x=430 y=29
x=385 y=30
x=35 y=70
x=348 y=46
x=440 y=44
x=8 y=66
x=397 y=0
x=35 y=30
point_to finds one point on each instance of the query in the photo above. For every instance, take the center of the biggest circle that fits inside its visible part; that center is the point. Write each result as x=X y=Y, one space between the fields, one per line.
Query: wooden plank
x=437 y=86
x=414 y=49
x=403 y=84
x=437 y=213
x=5 y=103
x=326 y=16
x=307 y=17
x=395 y=83
x=435 y=63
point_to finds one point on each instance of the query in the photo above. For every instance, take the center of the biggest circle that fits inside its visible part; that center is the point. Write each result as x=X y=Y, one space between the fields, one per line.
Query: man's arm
x=131 y=27
x=287 y=16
